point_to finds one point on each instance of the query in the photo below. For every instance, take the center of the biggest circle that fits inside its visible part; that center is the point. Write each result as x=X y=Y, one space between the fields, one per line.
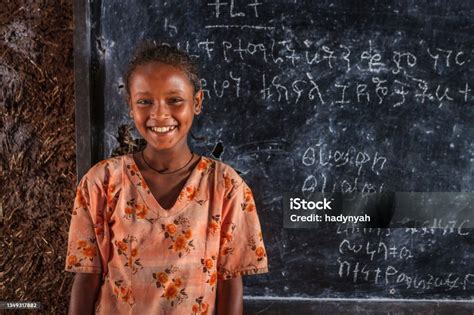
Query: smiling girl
x=164 y=230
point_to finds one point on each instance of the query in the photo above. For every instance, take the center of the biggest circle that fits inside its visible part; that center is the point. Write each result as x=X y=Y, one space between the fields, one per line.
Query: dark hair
x=148 y=51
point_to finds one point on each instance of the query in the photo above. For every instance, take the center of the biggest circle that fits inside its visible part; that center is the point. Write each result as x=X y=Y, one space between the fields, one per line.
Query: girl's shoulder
x=217 y=166
x=106 y=170
x=223 y=172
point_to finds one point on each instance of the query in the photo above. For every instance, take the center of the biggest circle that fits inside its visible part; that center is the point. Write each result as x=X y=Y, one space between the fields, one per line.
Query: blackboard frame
x=88 y=89
x=88 y=71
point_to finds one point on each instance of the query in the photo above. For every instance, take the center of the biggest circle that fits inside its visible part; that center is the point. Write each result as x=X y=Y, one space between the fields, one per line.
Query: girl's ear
x=198 y=102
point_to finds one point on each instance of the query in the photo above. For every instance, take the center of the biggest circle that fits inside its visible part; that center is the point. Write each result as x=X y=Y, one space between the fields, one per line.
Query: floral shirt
x=157 y=261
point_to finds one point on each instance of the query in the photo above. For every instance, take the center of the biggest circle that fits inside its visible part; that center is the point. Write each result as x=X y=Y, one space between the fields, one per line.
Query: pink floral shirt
x=157 y=261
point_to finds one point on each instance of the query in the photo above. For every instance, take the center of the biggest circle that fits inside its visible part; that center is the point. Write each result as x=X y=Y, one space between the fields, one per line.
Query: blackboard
x=306 y=96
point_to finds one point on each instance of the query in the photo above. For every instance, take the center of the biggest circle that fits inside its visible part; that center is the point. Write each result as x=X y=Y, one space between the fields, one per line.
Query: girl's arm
x=85 y=291
x=230 y=296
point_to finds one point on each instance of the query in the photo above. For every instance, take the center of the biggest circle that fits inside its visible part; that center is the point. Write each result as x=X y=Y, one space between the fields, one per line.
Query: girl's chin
x=163 y=141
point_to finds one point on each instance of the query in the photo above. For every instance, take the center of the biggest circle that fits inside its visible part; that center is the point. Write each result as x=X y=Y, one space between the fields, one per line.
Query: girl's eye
x=175 y=100
x=144 y=102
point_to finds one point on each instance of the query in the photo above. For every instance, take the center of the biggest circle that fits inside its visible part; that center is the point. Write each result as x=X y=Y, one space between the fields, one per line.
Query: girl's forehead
x=160 y=73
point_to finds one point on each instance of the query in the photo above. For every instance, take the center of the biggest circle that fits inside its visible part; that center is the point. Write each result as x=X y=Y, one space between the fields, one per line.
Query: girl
x=162 y=231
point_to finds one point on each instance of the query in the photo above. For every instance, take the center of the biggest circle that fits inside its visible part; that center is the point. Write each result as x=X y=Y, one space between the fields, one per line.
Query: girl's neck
x=167 y=159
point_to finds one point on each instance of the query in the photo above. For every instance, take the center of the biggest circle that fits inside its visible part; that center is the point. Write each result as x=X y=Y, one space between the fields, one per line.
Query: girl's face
x=164 y=104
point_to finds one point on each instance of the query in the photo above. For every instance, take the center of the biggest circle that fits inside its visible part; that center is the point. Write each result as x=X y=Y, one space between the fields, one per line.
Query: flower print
x=259 y=250
x=250 y=207
x=208 y=263
x=188 y=234
x=138 y=210
x=200 y=307
x=227 y=236
x=226 y=239
x=188 y=193
x=141 y=210
x=224 y=274
x=208 y=268
x=72 y=261
x=110 y=195
x=204 y=307
x=213 y=279
x=126 y=295
x=205 y=165
x=214 y=224
x=81 y=244
x=136 y=172
x=202 y=166
x=213 y=227
x=143 y=184
x=122 y=246
x=182 y=245
x=130 y=254
x=170 y=285
x=180 y=235
x=86 y=250
x=89 y=251
x=227 y=183
x=248 y=194
x=134 y=169
x=249 y=203
x=123 y=293
x=179 y=244
x=227 y=251
x=162 y=277
x=171 y=292
x=171 y=228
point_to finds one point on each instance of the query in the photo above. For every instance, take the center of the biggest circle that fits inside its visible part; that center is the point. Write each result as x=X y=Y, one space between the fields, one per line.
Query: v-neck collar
x=141 y=185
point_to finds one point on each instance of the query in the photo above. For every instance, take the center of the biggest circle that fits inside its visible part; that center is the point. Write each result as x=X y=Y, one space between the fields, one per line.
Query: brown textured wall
x=37 y=151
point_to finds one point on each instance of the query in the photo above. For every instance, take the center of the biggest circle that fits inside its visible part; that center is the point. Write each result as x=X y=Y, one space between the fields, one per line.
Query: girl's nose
x=160 y=110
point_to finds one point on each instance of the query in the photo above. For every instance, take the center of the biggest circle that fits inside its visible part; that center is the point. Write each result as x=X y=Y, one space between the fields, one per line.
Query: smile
x=162 y=129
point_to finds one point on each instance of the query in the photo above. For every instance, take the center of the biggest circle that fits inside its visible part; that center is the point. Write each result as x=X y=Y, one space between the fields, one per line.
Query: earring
x=131 y=113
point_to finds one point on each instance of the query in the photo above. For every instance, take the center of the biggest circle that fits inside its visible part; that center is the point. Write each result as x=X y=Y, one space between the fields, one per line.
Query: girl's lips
x=162 y=131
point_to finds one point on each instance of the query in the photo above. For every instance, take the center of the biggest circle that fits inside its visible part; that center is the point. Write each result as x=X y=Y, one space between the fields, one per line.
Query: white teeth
x=163 y=129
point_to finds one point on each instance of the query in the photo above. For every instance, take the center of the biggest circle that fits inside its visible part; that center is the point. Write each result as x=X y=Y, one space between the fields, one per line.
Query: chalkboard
x=321 y=96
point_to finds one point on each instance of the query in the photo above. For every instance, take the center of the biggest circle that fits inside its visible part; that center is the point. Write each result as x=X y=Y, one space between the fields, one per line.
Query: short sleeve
x=242 y=251
x=87 y=239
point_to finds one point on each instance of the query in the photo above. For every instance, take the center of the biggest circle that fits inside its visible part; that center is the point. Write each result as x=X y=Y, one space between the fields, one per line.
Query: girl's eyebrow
x=141 y=93
x=174 y=92
x=168 y=93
